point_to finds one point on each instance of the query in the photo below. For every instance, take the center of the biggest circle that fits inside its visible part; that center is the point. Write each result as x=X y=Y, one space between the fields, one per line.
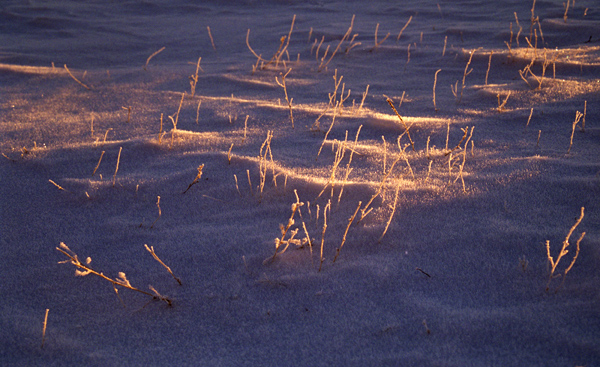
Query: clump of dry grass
x=283 y=46
x=324 y=64
x=282 y=241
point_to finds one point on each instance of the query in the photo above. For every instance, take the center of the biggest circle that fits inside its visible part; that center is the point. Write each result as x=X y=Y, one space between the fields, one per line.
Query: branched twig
x=120 y=281
x=563 y=252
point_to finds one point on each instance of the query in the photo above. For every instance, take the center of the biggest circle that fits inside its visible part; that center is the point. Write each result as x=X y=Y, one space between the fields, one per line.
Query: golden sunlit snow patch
x=551 y=90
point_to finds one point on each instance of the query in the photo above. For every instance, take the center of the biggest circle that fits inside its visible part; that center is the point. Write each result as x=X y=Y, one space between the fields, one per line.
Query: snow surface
x=458 y=278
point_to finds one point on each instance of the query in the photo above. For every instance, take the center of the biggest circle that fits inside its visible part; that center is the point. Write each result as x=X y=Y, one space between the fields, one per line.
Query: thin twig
x=151 y=251
x=151 y=56
x=77 y=80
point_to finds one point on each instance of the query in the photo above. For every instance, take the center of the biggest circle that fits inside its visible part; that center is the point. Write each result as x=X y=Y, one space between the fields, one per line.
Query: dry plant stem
x=212 y=41
x=584 y=113
x=117 y=166
x=229 y=154
x=350 y=220
x=287 y=99
x=462 y=165
x=329 y=130
x=249 y=182
x=151 y=56
x=444 y=49
x=336 y=83
x=503 y=104
x=263 y=162
x=412 y=144
x=74 y=78
x=57 y=185
x=194 y=81
x=529 y=119
x=348 y=170
x=564 y=251
x=44 y=327
x=280 y=52
x=566 y=11
x=352 y=43
x=394 y=205
x=403 y=156
x=425 y=321
x=120 y=281
x=364 y=96
x=578 y=116
x=198 y=111
x=465 y=131
x=128 y=109
x=466 y=72
x=176 y=120
x=532 y=19
x=327 y=207
x=403 y=28
x=151 y=251
x=106 y=135
x=198 y=176
x=236 y=185
x=520 y=28
x=284 y=231
x=161 y=129
x=366 y=210
x=384 y=153
x=159 y=212
x=92 y=126
x=319 y=47
x=377 y=44
x=339 y=155
x=488 y=68
x=434 y=84
x=98 y=165
x=245 y=128
x=346 y=35
x=289 y=36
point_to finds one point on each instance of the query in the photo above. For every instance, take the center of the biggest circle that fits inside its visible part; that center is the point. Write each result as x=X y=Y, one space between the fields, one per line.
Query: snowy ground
x=449 y=268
